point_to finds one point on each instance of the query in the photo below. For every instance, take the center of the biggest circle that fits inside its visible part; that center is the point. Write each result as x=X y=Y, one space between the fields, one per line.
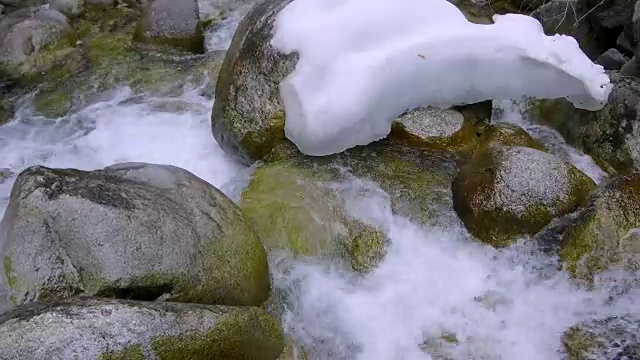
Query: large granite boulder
x=136 y=330
x=506 y=191
x=135 y=230
x=248 y=115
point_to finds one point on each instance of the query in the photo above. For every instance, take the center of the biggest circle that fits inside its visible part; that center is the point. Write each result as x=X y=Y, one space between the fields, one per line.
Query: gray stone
x=614 y=337
x=601 y=234
x=506 y=191
x=248 y=116
x=428 y=123
x=608 y=15
x=612 y=59
x=67 y=7
x=112 y=329
x=173 y=23
x=631 y=68
x=563 y=17
x=212 y=10
x=5 y=174
x=134 y=230
x=623 y=43
x=632 y=30
x=32 y=41
x=611 y=136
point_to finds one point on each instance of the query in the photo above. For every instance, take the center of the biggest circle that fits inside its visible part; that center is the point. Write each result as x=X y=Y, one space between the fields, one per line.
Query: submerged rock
x=116 y=329
x=602 y=233
x=417 y=181
x=508 y=135
x=34 y=41
x=506 y=191
x=173 y=23
x=616 y=337
x=139 y=231
x=5 y=174
x=248 y=116
x=610 y=136
x=293 y=208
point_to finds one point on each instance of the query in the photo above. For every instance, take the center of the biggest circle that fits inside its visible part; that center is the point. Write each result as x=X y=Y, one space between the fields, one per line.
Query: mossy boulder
x=248 y=116
x=610 y=136
x=417 y=181
x=33 y=41
x=135 y=230
x=457 y=129
x=293 y=208
x=135 y=330
x=604 y=232
x=615 y=337
x=506 y=191
x=171 y=23
x=508 y=135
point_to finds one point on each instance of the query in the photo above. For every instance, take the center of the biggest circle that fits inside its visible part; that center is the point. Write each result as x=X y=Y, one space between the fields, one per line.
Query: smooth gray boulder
x=173 y=23
x=33 y=41
x=136 y=330
x=135 y=230
x=612 y=59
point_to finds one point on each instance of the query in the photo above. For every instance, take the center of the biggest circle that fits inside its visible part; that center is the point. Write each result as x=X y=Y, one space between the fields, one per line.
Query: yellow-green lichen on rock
x=508 y=135
x=106 y=329
x=507 y=191
x=133 y=352
x=614 y=337
x=251 y=334
x=292 y=208
x=604 y=231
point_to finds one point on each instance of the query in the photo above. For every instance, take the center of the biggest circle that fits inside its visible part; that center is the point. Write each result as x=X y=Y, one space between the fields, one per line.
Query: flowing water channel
x=507 y=304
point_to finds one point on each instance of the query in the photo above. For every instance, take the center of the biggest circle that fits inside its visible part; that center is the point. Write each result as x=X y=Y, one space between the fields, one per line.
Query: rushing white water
x=431 y=282
x=115 y=131
x=508 y=304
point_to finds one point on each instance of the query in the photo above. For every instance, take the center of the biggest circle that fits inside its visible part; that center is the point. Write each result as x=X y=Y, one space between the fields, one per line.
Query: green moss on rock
x=604 y=231
x=53 y=104
x=133 y=352
x=506 y=191
x=613 y=337
x=367 y=249
x=293 y=209
x=508 y=135
x=607 y=135
x=251 y=335
x=12 y=280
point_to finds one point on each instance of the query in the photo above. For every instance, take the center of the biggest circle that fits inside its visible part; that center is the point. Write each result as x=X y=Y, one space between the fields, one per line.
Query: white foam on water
x=118 y=130
x=430 y=284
